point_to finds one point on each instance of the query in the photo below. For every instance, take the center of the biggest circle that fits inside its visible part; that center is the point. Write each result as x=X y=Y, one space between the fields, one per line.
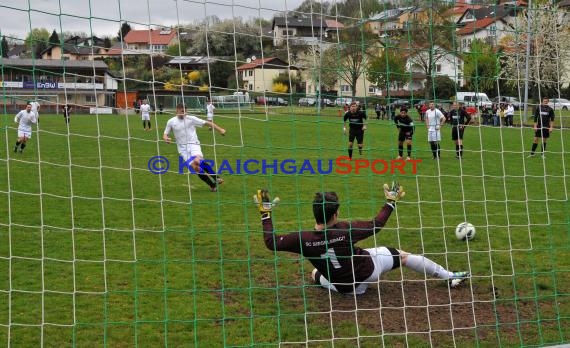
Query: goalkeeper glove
x=264 y=204
x=394 y=193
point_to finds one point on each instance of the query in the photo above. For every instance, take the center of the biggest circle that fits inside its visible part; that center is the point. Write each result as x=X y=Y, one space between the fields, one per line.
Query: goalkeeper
x=340 y=265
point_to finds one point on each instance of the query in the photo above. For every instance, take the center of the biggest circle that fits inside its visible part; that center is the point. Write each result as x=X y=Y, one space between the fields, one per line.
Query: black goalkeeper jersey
x=355 y=120
x=404 y=123
x=543 y=114
x=333 y=251
x=459 y=117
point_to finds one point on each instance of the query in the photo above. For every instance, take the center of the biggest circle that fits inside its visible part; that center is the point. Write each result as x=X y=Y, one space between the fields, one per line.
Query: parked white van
x=474 y=99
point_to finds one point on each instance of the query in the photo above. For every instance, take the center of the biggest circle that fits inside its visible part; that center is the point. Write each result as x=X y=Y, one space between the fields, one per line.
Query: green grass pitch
x=97 y=251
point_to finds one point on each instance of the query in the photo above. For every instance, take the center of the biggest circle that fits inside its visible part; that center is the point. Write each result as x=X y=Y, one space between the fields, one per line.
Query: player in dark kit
x=340 y=265
x=356 y=126
x=543 y=125
x=66 y=110
x=406 y=126
x=459 y=118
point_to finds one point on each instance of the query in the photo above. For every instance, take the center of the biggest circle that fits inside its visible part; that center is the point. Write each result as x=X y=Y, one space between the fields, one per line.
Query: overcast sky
x=102 y=17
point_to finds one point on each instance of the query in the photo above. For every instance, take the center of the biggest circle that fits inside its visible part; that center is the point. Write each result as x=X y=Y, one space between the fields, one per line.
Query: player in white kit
x=434 y=120
x=36 y=109
x=24 y=119
x=145 y=114
x=210 y=111
x=184 y=128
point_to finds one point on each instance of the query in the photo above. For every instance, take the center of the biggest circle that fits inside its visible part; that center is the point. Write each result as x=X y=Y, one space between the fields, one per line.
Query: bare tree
x=350 y=58
x=315 y=62
x=549 y=51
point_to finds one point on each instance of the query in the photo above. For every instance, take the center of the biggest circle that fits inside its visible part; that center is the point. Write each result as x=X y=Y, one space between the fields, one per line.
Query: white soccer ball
x=465 y=231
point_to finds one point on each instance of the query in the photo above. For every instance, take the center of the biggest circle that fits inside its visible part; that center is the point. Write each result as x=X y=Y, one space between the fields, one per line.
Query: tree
x=350 y=59
x=388 y=70
x=317 y=7
x=107 y=42
x=279 y=87
x=443 y=87
x=285 y=79
x=314 y=63
x=428 y=44
x=4 y=47
x=359 y=8
x=225 y=38
x=481 y=68
x=123 y=31
x=37 y=41
x=177 y=50
x=54 y=38
x=549 y=50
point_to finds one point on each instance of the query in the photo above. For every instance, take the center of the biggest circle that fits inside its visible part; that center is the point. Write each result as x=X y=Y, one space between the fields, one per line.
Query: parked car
x=272 y=101
x=342 y=101
x=477 y=99
x=398 y=103
x=517 y=104
x=559 y=104
x=307 y=101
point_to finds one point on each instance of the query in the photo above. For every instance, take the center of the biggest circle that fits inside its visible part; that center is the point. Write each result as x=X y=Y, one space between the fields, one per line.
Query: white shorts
x=210 y=117
x=190 y=150
x=27 y=134
x=434 y=135
x=383 y=262
x=145 y=117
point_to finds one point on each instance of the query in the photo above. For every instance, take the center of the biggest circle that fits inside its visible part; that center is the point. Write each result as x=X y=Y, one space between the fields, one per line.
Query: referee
x=543 y=125
x=459 y=119
x=355 y=118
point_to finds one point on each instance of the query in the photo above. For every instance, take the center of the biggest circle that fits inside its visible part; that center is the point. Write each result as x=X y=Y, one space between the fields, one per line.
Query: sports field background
x=97 y=251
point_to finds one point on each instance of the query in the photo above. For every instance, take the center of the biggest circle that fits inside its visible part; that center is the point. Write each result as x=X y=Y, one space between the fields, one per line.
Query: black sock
x=543 y=147
x=438 y=149
x=457 y=150
x=409 y=150
x=350 y=153
x=22 y=146
x=534 y=146
x=460 y=150
x=208 y=169
x=401 y=150
x=360 y=150
x=433 y=149
x=17 y=144
x=205 y=178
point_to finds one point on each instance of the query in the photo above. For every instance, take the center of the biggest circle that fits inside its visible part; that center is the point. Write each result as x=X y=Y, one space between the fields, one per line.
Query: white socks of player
x=426 y=266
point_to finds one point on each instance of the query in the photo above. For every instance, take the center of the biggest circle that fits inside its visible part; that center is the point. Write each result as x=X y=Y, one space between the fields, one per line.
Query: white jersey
x=210 y=110
x=184 y=131
x=35 y=107
x=25 y=120
x=433 y=118
x=145 y=110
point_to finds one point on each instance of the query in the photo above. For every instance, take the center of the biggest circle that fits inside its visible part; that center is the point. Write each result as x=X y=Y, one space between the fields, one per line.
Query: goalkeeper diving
x=340 y=265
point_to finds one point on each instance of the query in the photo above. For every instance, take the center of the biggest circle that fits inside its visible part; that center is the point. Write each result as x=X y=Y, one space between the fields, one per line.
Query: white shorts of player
x=190 y=150
x=434 y=135
x=24 y=133
x=210 y=117
x=383 y=262
x=145 y=117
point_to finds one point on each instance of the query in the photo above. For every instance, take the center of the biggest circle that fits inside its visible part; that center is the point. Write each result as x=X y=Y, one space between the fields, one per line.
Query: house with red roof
x=151 y=41
x=488 y=24
x=258 y=73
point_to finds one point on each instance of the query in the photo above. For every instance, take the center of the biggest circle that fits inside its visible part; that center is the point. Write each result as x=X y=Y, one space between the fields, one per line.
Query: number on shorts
x=330 y=254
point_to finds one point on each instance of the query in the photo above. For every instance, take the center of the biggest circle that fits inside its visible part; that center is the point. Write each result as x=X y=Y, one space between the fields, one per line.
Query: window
x=438 y=68
x=372 y=89
x=250 y=87
x=250 y=73
x=345 y=88
x=493 y=30
x=90 y=98
x=288 y=32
